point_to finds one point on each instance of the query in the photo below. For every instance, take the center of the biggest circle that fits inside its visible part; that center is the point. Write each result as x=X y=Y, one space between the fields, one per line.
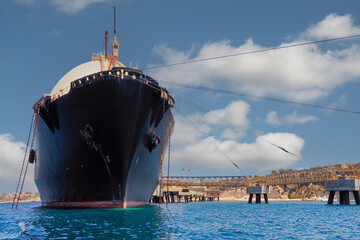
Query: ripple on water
x=209 y=220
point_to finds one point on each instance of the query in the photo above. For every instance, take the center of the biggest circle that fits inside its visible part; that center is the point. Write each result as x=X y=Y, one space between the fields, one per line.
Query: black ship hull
x=102 y=144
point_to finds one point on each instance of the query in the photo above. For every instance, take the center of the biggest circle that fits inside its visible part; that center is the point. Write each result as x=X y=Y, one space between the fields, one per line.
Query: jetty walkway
x=313 y=175
x=342 y=178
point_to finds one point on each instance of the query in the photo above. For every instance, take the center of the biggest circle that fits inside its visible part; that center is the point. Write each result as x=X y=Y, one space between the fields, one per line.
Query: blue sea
x=196 y=220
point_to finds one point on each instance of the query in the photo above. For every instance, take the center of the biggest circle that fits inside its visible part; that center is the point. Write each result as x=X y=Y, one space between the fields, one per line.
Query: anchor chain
x=88 y=136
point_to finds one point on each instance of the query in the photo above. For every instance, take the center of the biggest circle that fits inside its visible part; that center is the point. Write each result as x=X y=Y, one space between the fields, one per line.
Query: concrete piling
x=258 y=198
x=258 y=190
x=344 y=198
x=178 y=195
x=356 y=197
x=331 y=197
x=344 y=187
x=250 y=198
x=266 y=198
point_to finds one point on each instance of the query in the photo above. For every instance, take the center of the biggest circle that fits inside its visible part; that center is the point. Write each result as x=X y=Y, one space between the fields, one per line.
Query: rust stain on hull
x=93 y=204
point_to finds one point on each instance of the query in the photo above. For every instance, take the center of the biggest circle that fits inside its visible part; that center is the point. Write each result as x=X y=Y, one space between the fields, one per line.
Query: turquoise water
x=200 y=220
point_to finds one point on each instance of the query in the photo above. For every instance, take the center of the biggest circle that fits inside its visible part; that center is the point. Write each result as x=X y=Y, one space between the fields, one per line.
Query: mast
x=114 y=46
x=106 y=44
x=114 y=21
x=108 y=59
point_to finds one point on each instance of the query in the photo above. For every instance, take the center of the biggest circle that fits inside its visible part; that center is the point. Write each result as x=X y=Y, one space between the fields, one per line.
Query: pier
x=334 y=177
x=177 y=195
x=258 y=190
x=287 y=177
x=344 y=187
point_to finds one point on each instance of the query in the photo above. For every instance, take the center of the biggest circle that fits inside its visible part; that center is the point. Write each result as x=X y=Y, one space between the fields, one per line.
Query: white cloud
x=341 y=101
x=235 y=115
x=272 y=118
x=202 y=150
x=208 y=153
x=304 y=73
x=331 y=27
x=11 y=157
x=295 y=119
x=74 y=6
x=191 y=130
x=186 y=133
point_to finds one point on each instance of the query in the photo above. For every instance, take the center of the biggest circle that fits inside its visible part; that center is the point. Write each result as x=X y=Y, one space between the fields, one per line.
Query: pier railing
x=206 y=181
x=316 y=175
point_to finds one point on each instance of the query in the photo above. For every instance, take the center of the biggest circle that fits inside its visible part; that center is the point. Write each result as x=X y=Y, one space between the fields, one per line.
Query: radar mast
x=114 y=46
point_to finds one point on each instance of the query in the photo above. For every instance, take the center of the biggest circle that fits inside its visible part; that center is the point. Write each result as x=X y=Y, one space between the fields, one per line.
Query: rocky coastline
x=25 y=197
x=294 y=192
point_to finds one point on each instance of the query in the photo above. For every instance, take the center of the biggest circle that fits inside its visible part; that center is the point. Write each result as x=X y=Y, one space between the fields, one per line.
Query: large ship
x=101 y=135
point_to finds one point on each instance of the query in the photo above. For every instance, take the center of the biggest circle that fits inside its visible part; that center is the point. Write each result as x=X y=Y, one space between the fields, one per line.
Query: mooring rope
x=162 y=133
x=22 y=168
x=218 y=147
x=252 y=52
x=168 y=177
x=257 y=97
x=27 y=164
x=162 y=147
x=237 y=125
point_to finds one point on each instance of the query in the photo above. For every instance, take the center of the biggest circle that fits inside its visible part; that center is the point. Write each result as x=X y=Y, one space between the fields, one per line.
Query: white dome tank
x=63 y=85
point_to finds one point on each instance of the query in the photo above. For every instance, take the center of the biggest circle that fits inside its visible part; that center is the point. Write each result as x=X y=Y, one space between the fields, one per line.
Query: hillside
x=25 y=197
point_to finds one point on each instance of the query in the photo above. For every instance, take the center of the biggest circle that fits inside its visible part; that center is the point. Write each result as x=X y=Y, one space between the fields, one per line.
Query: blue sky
x=42 y=40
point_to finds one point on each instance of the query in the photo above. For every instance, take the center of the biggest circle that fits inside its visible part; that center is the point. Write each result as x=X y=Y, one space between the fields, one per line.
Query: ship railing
x=60 y=93
x=119 y=72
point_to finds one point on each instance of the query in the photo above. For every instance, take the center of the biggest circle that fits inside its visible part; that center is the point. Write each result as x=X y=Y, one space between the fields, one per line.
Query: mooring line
x=252 y=52
x=257 y=97
x=27 y=164
x=22 y=168
x=225 y=155
x=233 y=125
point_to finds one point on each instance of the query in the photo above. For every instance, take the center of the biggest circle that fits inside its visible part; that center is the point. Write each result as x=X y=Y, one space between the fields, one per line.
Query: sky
x=42 y=40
